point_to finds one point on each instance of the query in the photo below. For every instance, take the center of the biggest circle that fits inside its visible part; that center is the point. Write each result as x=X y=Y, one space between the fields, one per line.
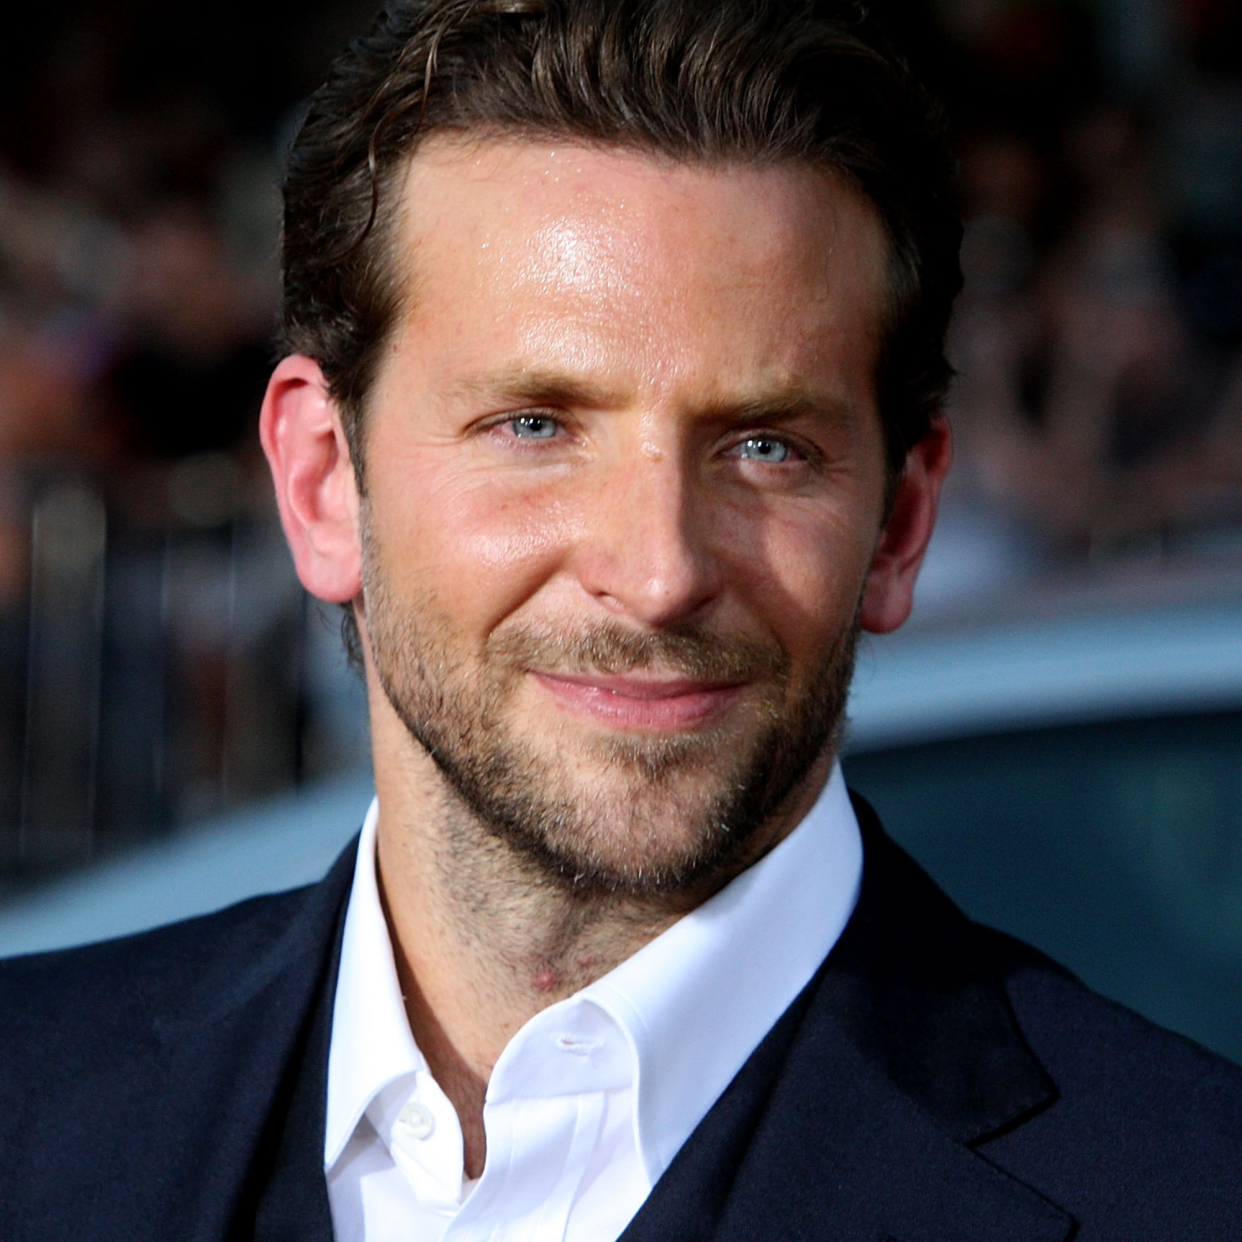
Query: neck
x=484 y=940
x=482 y=944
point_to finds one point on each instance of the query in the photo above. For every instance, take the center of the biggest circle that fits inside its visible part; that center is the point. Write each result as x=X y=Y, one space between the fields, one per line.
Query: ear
x=315 y=484
x=888 y=593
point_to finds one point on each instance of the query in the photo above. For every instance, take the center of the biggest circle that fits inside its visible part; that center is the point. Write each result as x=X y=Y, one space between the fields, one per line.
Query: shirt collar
x=694 y=1003
x=699 y=998
x=371 y=1045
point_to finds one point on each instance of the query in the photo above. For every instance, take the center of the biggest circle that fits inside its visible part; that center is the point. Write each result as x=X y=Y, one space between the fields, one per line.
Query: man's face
x=624 y=478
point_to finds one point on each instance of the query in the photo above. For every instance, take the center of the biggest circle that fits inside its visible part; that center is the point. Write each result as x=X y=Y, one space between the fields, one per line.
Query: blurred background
x=158 y=661
x=1057 y=735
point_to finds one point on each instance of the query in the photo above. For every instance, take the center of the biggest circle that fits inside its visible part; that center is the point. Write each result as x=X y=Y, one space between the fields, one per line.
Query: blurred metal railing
x=159 y=661
x=60 y=751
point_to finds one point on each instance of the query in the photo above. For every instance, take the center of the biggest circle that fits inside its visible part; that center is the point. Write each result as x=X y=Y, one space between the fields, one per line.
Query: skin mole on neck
x=546 y=980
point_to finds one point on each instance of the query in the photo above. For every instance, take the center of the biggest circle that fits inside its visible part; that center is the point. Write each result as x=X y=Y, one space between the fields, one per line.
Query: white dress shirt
x=592 y=1098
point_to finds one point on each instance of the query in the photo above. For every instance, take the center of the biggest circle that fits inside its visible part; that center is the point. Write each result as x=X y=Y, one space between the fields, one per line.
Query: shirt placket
x=543 y=1121
x=425 y=1143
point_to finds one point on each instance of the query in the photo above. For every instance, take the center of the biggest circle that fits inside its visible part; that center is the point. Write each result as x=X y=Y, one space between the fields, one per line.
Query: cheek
x=799 y=571
x=477 y=544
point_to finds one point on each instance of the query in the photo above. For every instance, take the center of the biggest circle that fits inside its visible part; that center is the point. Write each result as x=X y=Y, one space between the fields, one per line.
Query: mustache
x=611 y=649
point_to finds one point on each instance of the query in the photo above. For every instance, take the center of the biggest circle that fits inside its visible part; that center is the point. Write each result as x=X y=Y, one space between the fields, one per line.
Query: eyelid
x=493 y=421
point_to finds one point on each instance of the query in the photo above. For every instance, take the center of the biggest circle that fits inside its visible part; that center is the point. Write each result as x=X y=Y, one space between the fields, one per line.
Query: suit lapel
x=856 y=1117
x=843 y=1153
x=689 y=1200
x=293 y=1202
x=246 y=1056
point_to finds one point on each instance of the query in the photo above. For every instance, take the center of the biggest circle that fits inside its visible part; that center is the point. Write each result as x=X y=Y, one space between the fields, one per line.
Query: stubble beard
x=664 y=814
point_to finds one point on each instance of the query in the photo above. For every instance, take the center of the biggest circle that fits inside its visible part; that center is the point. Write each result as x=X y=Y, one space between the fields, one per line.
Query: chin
x=637 y=815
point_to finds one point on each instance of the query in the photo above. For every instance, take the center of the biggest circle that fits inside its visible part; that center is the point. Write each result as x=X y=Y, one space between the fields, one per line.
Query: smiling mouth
x=630 y=701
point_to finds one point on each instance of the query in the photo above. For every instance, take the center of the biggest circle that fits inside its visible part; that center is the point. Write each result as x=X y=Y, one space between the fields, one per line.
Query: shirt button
x=417 y=1120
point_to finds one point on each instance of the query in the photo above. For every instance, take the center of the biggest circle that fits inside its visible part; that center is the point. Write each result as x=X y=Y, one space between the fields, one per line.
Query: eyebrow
x=536 y=387
x=783 y=408
x=527 y=386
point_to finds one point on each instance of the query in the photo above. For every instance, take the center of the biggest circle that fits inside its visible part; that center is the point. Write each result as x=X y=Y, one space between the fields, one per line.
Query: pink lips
x=632 y=702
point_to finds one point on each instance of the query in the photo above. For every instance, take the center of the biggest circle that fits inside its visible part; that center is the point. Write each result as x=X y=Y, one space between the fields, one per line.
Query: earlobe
x=316 y=491
x=888 y=593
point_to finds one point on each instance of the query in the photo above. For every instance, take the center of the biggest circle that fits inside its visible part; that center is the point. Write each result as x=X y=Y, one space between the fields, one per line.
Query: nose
x=645 y=551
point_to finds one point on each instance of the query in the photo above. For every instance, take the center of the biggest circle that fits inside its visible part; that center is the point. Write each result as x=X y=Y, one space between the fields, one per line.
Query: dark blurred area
x=1098 y=412
x=158 y=660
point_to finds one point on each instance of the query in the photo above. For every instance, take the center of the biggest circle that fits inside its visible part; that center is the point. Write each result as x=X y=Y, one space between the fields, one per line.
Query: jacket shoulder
x=144 y=1080
x=1146 y=1122
x=936 y=962
x=1134 y=1131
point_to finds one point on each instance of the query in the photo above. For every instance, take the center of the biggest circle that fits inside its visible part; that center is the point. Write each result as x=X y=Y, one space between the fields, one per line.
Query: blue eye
x=533 y=427
x=760 y=448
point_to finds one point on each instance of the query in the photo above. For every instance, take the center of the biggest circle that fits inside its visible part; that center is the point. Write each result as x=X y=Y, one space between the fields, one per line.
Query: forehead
x=554 y=249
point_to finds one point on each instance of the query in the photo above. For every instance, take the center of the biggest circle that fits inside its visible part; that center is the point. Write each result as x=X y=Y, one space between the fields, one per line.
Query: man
x=614 y=338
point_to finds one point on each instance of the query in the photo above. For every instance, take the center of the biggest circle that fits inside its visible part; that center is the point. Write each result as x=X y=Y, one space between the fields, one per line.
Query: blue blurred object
x=279 y=844
x=1021 y=670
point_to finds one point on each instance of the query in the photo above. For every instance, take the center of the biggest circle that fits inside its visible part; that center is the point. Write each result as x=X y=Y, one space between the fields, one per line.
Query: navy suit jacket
x=935 y=1082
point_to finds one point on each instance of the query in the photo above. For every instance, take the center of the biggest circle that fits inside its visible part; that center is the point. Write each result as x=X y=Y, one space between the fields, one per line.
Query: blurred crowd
x=158 y=661
x=1098 y=341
